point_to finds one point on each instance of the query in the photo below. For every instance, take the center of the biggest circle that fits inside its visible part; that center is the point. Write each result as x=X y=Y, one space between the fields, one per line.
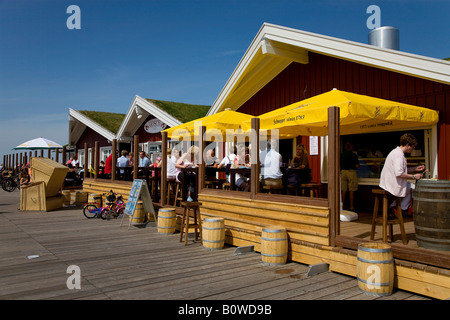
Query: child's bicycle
x=115 y=206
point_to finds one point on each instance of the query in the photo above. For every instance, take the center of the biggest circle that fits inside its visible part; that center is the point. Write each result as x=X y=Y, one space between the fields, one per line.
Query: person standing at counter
x=349 y=177
x=395 y=172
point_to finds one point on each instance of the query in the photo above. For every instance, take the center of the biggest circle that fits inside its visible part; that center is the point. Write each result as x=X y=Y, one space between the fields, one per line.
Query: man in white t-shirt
x=270 y=171
x=229 y=160
x=395 y=174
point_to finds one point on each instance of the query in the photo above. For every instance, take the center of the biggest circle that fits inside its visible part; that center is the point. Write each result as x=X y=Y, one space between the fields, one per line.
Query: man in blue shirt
x=123 y=161
x=143 y=160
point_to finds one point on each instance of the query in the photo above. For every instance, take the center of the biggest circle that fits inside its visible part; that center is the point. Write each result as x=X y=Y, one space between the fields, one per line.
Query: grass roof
x=182 y=111
x=108 y=120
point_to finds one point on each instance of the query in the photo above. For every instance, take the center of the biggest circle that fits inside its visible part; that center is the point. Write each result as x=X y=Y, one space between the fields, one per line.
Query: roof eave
x=268 y=63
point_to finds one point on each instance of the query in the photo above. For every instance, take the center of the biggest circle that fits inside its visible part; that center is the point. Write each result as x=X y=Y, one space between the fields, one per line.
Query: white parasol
x=37 y=144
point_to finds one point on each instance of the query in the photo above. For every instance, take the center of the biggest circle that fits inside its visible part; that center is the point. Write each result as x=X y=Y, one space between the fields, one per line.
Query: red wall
x=323 y=73
x=90 y=136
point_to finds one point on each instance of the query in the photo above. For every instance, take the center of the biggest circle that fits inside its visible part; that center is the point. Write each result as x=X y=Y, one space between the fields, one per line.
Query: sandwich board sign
x=139 y=189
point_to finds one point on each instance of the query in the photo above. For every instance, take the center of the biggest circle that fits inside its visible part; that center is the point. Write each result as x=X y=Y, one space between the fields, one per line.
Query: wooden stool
x=226 y=186
x=271 y=189
x=178 y=194
x=290 y=188
x=185 y=221
x=384 y=219
x=209 y=184
x=171 y=191
x=314 y=189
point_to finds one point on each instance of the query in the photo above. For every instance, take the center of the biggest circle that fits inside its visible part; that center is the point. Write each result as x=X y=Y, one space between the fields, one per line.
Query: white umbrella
x=37 y=144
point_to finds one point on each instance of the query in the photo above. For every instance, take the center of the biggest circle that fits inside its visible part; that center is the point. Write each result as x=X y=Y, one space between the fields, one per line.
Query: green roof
x=108 y=120
x=182 y=111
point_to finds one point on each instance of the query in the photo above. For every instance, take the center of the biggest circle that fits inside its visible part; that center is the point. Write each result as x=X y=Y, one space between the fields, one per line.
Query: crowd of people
x=297 y=171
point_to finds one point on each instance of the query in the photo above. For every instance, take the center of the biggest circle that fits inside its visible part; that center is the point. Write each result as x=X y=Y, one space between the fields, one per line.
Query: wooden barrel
x=213 y=233
x=375 y=269
x=81 y=197
x=166 y=220
x=431 y=213
x=66 y=198
x=139 y=214
x=92 y=196
x=274 y=245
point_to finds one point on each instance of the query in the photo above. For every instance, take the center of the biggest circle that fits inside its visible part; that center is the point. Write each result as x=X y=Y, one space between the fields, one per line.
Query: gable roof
x=275 y=47
x=171 y=113
x=104 y=123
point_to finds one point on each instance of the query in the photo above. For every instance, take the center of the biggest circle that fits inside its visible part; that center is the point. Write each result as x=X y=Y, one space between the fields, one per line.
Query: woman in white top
x=172 y=157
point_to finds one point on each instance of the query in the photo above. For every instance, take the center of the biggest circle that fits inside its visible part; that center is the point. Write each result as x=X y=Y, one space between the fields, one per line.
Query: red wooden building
x=284 y=65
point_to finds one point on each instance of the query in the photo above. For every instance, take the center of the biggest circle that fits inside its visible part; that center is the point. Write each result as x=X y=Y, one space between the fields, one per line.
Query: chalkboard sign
x=140 y=190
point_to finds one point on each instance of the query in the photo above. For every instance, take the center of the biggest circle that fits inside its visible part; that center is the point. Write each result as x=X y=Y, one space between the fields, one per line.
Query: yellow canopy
x=358 y=114
x=218 y=122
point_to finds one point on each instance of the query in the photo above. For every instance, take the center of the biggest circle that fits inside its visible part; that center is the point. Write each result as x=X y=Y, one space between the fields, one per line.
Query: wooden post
x=14 y=163
x=86 y=168
x=164 y=169
x=42 y=153
x=49 y=153
x=56 y=155
x=114 y=160
x=96 y=160
x=333 y=172
x=254 y=155
x=136 y=157
x=64 y=156
x=201 y=162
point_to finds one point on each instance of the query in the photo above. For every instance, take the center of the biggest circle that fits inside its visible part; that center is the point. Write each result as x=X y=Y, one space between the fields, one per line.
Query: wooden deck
x=141 y=264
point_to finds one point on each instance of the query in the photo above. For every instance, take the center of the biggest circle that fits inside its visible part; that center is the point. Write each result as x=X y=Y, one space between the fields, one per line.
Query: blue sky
x=180 y=51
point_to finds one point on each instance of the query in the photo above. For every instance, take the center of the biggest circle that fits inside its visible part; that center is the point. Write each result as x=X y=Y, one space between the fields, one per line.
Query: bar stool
x=185 y=220
x=178 y=193
x=291 y=188
x=384 y=219
x=314 y=189
x=209 y=184
x=171 y=191
x=273 y=189
x=226 y=186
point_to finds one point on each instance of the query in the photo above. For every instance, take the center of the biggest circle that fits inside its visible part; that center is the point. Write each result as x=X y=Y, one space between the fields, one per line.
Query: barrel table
x=431 y=213
x=166 y=220
x=375 y=269
x=213 y=232
x=138 y=217
x=274 y=245
x=81 y=197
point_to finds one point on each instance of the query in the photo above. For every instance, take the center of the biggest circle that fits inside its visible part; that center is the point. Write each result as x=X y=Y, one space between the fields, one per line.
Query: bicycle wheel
x=104 y=213
x=90 y=211
x=120 y=211
x=10 y=185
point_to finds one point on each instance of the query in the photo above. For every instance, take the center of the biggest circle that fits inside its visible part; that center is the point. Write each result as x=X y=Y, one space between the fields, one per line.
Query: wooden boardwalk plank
x=117 y=263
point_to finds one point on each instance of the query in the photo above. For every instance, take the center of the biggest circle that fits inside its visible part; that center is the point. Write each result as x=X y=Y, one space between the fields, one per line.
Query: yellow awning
x=358 y=114
x=218 y=123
